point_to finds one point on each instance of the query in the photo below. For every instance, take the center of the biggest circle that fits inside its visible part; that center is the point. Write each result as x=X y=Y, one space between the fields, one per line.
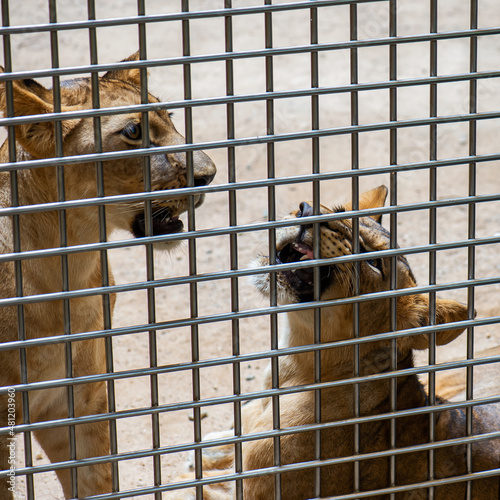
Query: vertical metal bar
x=316 y=246
x=471 y=257
x=150 y=274
x=432 y=238
x=233 y=250
x=103 y=254
x=193 y=290
x=393 y=146
x=14 y=193
x=61 y=196
x=353 y=15
x=271 y=200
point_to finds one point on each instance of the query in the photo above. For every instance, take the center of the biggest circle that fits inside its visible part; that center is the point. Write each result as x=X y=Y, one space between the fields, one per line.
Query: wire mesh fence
x=140 y=359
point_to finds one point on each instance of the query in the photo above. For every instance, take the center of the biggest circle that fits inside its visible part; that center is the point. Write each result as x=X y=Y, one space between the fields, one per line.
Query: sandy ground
x=32 y=51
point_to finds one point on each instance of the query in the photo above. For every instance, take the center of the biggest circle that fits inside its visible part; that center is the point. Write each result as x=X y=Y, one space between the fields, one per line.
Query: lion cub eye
x=132 y=131
x=376 y=263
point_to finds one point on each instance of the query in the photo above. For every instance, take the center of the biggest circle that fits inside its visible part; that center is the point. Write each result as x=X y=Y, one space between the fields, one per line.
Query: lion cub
x=120 y=132
x=295 y=244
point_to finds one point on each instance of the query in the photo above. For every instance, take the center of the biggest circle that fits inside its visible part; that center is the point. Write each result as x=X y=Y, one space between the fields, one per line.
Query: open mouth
x=302 y=279
x=163 y=223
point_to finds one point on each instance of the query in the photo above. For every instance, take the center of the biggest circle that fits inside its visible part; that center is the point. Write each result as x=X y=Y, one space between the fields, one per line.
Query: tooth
x=304 y=257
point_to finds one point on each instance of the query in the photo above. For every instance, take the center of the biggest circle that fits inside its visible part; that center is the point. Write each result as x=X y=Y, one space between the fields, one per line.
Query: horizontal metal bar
x=309 y=134
x=288 y=468
x=259 y=53
x=364 y=456
x=233 y=477
x=435 y=482
x=55 y=383
x=242 y=98
x=260 y=394
x=306 y=428
x=313 y=464
x=161 y=283
x=295 y=466
x=87 y=292
x=172 y=193
x=252 y=313
x=265 y=434
x=150 y=19
x=190 y=446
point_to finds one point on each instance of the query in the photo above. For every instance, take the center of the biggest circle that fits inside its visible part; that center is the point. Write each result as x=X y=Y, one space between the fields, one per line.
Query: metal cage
x=302 y=100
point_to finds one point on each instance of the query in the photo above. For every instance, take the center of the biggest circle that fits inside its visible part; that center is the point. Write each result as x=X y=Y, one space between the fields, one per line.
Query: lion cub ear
x=447 y=311
x=29 y=98
x=375 y=198
x=132 y=75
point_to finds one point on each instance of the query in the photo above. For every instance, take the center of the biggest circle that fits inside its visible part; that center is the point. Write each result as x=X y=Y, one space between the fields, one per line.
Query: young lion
x=43 y=275
x=295 y=244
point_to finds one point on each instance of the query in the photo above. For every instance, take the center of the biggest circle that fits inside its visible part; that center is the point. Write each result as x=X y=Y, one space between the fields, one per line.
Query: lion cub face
x=118 y=132
x=295 y=244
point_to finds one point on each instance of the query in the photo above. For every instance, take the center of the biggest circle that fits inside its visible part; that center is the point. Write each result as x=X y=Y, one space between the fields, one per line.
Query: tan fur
x=43 y=275
x=337 y=403
x=452 y=384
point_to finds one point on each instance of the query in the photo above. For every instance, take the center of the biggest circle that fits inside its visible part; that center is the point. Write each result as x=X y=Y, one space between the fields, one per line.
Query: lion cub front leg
x=91 y=440
x=222 y=457
x=216 y=461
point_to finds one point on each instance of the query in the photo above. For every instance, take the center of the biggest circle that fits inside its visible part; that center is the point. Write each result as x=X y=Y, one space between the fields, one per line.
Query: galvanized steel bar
x=209 y=101
x=70 y=71
x=14 y=199
x=150 y=269
x=233 y=250
x=268 y=139
x=393 y=201
x=271 y=215
x=353 y=54
x=132 y=20
x=63 y=240
x=252 y=312
x=193 y=289
x=103 y=254
x=316 y=198
x=311 y=464
x=471 y=251
x=426 y=410
x=47 y=207
x=433 y=138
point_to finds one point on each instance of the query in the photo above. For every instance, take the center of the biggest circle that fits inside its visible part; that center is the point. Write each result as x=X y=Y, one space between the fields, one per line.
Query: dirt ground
x=32 y=51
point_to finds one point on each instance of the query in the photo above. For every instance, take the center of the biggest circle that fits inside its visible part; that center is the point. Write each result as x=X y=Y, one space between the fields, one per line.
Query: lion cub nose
x=203 y=180
x=305 y=210
x=204 y=169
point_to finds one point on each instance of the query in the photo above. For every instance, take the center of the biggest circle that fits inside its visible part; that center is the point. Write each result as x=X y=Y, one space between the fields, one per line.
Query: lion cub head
x=337 y=280
x=125 y=131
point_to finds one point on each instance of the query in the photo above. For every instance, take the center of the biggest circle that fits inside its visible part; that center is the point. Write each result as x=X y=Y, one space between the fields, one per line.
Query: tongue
x=304 y=249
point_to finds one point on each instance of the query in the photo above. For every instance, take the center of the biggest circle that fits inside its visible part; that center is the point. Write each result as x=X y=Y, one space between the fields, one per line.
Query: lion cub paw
x=215 y=457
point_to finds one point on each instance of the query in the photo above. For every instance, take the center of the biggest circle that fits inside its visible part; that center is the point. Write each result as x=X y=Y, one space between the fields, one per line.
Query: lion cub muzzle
x=295 y=244
x=165 y=217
